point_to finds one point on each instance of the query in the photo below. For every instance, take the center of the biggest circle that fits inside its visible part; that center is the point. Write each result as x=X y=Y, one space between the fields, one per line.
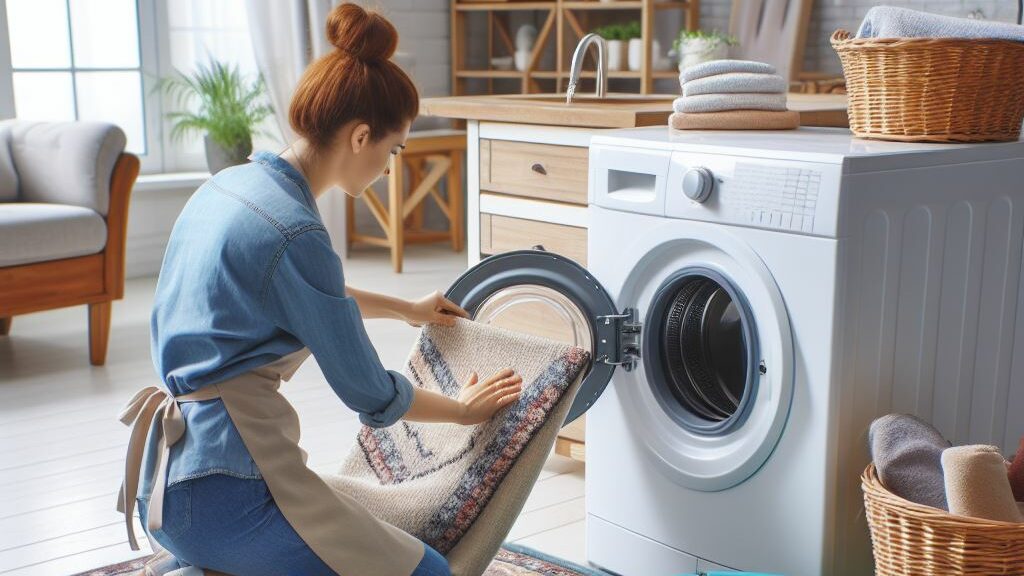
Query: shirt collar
x=282 y=166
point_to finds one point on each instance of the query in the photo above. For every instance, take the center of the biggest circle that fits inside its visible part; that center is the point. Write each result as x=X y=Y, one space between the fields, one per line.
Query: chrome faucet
x=577 y=65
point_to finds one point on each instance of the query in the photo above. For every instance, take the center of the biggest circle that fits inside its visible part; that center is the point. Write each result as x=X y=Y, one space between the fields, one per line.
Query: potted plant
x=615 y=36
x=696 y=46
x=217 y=102
x=635 y=51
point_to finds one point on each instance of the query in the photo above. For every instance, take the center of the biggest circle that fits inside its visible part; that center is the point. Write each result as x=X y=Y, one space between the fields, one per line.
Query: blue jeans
x=233 y=525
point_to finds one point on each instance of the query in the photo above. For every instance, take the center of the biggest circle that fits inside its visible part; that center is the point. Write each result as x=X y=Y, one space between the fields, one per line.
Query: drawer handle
x=539 y=169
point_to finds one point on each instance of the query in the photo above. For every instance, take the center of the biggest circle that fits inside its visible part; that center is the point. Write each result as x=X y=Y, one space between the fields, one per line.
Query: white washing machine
x=789 y=287
x=752 y=301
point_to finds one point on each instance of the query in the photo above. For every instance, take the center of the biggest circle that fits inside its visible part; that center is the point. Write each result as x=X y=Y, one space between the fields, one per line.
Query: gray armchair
x=64 y=190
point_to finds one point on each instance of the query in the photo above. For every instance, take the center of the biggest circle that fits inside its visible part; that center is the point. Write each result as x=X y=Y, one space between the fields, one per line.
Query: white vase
x=616 y=54
x=699 y=50
x=636 y=53
x=522 y=58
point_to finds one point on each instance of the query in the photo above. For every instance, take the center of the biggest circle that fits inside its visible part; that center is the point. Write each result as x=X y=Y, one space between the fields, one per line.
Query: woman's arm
x=433 y=307
x=374 y=305
x=477 y=401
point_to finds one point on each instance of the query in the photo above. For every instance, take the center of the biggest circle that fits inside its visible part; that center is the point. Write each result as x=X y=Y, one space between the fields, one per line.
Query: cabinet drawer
x=542 y=171
x=504 y=233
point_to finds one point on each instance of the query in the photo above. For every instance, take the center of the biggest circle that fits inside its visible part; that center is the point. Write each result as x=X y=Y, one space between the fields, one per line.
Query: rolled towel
x=1017 y=473
x=734 y=83
x=721 y=102
x=713 y=67
x=907 y=453
x=736 y=120
x=976 y=483
x=893 y=22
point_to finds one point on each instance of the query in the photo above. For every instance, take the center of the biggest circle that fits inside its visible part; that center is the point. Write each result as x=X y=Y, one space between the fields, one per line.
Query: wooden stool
x=430 y=155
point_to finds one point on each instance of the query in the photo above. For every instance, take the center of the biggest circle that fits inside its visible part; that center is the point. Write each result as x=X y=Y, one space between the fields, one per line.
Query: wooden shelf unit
x=567 y=21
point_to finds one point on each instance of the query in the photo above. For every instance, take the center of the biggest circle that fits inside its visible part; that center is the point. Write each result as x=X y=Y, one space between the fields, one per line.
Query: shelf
x=504 y=6
x=622 y=5
x=490 y=74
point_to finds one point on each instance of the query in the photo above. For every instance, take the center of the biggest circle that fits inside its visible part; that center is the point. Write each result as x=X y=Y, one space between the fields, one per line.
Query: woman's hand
x=480 y=400
x=433 y=308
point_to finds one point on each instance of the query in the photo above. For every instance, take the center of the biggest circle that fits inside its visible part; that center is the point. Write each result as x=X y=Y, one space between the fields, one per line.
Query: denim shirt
x=249 y=276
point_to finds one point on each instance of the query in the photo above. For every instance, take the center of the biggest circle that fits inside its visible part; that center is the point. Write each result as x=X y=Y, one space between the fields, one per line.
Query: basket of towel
x=937 y=509
x=919 y=77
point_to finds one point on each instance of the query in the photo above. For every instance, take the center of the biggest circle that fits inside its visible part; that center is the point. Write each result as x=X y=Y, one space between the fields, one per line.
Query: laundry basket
x=911 y=538
x=933 y=89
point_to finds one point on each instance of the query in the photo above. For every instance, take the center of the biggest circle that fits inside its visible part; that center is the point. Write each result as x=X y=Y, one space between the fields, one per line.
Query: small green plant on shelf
x=617 y=36
x=695 y=46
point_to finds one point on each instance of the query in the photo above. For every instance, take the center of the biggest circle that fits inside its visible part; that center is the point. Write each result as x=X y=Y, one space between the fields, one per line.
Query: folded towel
x=736 y=120
x=1017 y=473
x=714 y=67
x=976 y=483
x=907 y=453
x=720 y=102
x=735 y=82
x=892 y=22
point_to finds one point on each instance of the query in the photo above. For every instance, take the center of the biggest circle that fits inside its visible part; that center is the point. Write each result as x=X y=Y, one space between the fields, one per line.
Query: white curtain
x=286 y=36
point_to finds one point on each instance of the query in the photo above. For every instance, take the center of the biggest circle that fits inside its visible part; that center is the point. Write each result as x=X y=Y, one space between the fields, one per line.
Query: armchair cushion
x=66 y=162
x=35 y=232
x=8 y=175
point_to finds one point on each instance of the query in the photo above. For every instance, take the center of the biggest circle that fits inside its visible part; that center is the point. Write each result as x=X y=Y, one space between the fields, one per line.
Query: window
x=78 y=60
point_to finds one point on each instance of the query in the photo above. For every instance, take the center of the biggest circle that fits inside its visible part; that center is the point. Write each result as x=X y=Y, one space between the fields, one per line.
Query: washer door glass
x=547 y=295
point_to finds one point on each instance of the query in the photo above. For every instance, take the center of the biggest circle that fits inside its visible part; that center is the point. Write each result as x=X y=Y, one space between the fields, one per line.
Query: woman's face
x=366 y=159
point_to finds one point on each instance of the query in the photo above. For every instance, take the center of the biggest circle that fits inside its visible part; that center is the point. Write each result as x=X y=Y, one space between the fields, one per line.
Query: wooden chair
x=94 y=279
x=775 y=31
x=429 y=156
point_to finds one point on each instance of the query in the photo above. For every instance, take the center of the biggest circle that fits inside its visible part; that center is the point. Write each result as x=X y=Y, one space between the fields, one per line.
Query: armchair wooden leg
x=5 y=325
x=99 y=332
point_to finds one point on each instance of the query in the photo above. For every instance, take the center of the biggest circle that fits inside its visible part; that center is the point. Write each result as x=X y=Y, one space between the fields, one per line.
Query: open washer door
x=549 y=295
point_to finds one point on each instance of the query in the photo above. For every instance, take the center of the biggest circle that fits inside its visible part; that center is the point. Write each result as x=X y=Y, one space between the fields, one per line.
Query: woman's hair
x=355 y=81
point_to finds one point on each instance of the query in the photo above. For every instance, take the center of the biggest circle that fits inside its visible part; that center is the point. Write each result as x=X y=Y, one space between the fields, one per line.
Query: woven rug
x=512 y=560
x=433 y=480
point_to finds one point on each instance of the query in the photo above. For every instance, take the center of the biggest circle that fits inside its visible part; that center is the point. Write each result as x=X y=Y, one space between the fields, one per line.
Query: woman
x=249 y=287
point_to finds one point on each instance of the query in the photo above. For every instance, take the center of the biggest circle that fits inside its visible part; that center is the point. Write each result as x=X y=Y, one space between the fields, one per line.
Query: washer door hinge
x=625 y=330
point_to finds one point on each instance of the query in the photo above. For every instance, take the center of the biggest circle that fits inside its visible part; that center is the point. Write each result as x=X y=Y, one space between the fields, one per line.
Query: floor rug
x=512 y=560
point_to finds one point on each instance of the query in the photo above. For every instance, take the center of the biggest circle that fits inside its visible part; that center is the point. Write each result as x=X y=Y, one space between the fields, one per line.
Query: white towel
x=720 y=102
x=714 y=67
x=735 y=83
x=892 y=22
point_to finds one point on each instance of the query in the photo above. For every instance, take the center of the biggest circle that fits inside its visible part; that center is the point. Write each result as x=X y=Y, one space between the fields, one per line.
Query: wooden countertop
x=614 y=111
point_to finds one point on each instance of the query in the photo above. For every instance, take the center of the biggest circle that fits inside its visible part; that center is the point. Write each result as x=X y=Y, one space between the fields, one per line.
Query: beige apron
x=335 y=526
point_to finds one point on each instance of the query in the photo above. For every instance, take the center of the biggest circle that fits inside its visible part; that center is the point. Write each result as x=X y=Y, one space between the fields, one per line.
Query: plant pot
x=699 y=50
x=219 y=158
x=616 y=54
x=636 y=53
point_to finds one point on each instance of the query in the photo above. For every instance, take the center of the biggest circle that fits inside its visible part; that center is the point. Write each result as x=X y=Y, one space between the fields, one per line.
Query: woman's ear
x=360 y=137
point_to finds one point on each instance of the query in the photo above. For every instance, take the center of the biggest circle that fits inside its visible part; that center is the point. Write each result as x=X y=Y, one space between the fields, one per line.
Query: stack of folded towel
x=732 y=95
x=916 y=463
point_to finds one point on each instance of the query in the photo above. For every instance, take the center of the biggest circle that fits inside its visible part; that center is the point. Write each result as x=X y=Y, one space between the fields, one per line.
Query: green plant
x=229 y=106
x=619 y=31
x=710 y=37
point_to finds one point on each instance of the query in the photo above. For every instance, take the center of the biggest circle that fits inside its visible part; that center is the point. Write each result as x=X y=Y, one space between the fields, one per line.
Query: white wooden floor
x=62 y=448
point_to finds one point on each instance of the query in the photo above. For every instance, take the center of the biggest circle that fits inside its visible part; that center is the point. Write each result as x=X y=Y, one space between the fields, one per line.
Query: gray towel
x=722 y=102
x=735 y=82
x=892 y=22
x=907 y=452
x=714 y=67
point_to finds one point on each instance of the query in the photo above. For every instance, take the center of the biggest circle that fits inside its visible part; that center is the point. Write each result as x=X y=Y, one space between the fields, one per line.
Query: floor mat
x=512 y=560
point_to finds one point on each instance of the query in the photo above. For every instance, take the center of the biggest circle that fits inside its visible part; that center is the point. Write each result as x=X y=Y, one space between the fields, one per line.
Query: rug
x=512 y=560
x=433 y=480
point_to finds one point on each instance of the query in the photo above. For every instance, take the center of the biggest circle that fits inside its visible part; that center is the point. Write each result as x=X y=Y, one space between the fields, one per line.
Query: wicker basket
x=912 y=539
x=933 y=89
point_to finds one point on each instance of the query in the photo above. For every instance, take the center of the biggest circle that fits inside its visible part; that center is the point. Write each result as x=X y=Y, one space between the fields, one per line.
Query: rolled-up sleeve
x=305 y=296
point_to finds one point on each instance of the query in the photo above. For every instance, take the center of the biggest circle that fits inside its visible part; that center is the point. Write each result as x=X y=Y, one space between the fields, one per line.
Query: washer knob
x=698 y=183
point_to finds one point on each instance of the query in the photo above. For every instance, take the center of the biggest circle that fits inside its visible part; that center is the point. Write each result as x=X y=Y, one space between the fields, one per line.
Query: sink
x=591 y=99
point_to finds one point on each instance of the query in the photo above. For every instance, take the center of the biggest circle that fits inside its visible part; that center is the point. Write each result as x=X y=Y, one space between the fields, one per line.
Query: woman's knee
x=432 y=564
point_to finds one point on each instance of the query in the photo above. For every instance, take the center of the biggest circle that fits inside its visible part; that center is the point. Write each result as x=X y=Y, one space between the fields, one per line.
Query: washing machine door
x=548 y=295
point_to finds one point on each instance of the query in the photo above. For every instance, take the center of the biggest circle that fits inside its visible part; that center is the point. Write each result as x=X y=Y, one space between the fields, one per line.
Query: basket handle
x=840 y=36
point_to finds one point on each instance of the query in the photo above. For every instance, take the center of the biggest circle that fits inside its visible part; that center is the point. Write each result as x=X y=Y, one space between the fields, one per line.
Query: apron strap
x=139 y=413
